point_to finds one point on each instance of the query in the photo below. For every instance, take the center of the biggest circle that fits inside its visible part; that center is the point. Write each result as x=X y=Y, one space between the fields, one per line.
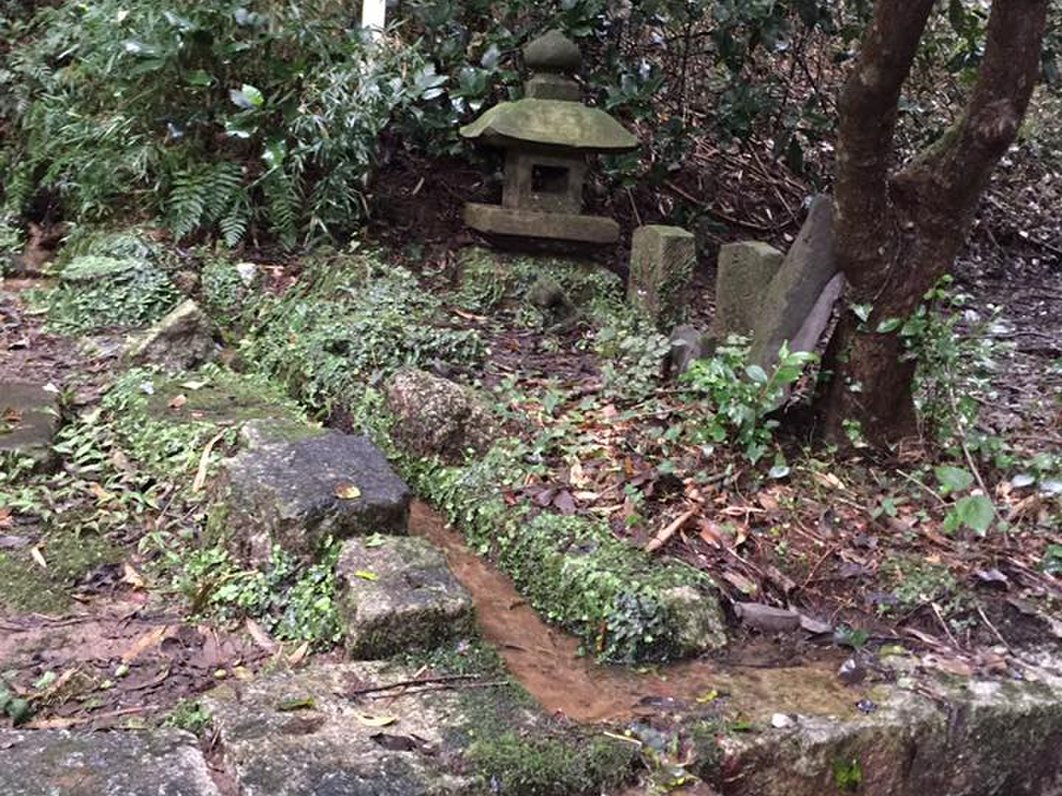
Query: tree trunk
x=897 y=235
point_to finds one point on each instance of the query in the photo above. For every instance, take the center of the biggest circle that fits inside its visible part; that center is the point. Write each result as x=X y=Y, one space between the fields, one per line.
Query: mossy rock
x=490 y=280
x=459 y=741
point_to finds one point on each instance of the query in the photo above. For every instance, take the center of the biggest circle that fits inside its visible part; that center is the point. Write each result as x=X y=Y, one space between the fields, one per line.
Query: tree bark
x=897 y=233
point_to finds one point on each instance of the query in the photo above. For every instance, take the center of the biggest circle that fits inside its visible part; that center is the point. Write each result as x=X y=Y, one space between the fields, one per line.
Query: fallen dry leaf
x=370 y=720
x=178 y=401
x=299 y=655
x=145 y=642
x=346 y=491
x=35 y=553
x=259 y=636
x=132 y=577
x=204 y=462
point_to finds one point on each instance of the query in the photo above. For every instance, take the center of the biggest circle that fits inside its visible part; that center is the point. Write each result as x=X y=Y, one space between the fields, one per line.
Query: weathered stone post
x=744 y=271
x=662 y=262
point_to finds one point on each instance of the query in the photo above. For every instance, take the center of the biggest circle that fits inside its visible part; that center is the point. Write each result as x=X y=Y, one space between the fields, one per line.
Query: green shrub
x=213 y=115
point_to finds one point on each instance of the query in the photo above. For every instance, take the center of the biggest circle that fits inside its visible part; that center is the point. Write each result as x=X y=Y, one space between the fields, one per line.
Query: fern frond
x=234 y=223
x=283 y=200
x=188 y=199
x=226 y=182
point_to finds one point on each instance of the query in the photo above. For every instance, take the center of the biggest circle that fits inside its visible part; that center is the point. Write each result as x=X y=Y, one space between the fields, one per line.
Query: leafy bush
x=214 y=115
x=742 y=395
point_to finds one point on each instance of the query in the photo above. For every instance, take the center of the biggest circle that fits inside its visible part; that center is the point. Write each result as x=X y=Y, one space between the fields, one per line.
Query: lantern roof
x=552 y=123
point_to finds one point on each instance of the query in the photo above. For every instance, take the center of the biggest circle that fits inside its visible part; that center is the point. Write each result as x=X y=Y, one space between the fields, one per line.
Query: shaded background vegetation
x=274 y=121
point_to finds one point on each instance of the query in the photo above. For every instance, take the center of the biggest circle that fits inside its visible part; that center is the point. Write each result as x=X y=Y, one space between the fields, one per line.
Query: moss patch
x=511 y=746
x=25 y=586
x=100 y=292
x=491 y=280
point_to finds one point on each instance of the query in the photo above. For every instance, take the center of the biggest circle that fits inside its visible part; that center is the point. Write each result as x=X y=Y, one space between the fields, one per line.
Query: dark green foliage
x=214 y=116
x=106 y=292
x=356 y=323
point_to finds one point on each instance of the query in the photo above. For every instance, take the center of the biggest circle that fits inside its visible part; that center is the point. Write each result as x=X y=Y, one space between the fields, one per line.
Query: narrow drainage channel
x=547 y=663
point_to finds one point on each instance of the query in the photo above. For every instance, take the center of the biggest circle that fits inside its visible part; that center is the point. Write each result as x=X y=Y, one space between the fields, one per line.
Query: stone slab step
x=119 y=763
x=337 y=745
x=299 y=493
x=398 y=594
x=29 y=418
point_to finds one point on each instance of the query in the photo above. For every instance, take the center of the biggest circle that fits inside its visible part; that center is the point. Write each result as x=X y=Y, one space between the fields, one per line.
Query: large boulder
x=436 y=417
x=125 y=763
x=297 y=493
x=183 y=339
x=398 y=594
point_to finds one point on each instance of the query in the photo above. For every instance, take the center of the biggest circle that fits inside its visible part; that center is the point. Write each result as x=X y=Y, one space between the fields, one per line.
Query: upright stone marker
x=807 y=269
x=662 y=261
x=745 y=270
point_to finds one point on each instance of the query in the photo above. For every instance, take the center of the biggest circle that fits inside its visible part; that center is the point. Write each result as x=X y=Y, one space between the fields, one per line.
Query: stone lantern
x=546 y=137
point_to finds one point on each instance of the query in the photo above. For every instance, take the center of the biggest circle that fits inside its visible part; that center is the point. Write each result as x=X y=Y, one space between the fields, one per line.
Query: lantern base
x=498 y=220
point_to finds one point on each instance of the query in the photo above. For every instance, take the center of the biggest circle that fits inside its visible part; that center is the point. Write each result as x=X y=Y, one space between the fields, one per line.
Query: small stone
x=181 y=340
x=662 y=262
x=117 y=763
x=744 y=271
x=687 y=345
x=397 y=596
x=552 y=52
x=767 y=618
x=852 y=672
x=437 y=417
x=29 y=419
x=781 y=720
x=696 y=619
x=285 y=493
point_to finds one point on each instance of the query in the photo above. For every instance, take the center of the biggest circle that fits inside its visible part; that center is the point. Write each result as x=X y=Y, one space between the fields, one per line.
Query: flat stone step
x=335 y=744
x=298 y=493
x=399 y=594
x=29 y=419
x=939 y=735
x=118 y=763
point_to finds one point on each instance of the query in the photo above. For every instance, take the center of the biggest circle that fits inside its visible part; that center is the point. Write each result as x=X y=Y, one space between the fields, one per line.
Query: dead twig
x=670 y=530
x=451 y=678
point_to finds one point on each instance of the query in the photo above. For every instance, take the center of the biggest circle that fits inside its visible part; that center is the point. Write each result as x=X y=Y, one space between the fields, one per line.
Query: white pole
x=374 y=15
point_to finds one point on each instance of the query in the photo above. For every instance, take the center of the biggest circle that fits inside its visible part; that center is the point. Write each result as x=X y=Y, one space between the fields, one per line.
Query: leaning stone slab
x=330 y=748
x=744 y=271
x=793 y=292
x=955 y=738
x=398 y=594
x=437 y=417
x=119 y=763
x=183 y=339
x=29 y=418
x=662 y=262
x=299 y=493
